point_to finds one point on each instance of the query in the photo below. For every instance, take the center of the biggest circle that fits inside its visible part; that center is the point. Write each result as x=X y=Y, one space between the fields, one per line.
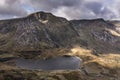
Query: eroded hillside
x=42 y=30
x=42 y=35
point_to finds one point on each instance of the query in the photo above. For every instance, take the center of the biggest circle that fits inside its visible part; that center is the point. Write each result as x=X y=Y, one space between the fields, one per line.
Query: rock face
x=36 y=31
x=98 y=34
x=42 y=30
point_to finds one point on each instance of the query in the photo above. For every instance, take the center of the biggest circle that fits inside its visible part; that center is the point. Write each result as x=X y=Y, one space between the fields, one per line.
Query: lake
x=58 y=63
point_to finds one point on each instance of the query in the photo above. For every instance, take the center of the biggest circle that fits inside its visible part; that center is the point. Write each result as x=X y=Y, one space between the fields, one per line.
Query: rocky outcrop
x=36 y=31
x=42 y=30
x=100 y=35
x=105 y=36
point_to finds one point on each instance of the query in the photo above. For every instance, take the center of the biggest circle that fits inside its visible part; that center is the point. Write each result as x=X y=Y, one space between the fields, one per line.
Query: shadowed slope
x=36 y=31
x=41 y=30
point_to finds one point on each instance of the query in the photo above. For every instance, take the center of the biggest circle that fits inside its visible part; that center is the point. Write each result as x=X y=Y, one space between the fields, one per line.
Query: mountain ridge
x=43 y=36
x=43 y=30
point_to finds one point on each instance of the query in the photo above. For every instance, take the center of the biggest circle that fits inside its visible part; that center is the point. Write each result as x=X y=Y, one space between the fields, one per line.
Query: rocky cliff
x=36 y=31
x=42 y=30
x=55 y=36
x=99 y=35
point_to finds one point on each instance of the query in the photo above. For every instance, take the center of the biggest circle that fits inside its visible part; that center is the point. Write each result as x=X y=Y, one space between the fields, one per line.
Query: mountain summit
x=42 y=41
x=36 y=31
x=43 y=30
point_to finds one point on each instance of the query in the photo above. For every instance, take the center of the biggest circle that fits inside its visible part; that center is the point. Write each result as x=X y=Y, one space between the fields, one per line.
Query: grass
x=6 y=55
x=110 y=60
x=102 y=67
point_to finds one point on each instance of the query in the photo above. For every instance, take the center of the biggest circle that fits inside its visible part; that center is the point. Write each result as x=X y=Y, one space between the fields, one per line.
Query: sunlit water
x=59 y=63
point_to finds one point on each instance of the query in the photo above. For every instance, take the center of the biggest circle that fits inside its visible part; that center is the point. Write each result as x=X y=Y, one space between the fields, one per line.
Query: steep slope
x=45 y=33
x=36 y=31
x=40 y=30
x=98 y=35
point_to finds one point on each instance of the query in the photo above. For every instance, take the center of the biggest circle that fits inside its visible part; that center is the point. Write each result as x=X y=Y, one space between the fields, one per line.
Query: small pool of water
x=58 y=63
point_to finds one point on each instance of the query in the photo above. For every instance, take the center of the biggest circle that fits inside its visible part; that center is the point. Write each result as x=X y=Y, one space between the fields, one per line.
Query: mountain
x=43 y=30
x=101 y=36
x=36 y=31
x=42 y=35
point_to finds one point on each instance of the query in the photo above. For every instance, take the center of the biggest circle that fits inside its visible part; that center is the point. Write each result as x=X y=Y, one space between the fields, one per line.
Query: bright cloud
x=70 y=9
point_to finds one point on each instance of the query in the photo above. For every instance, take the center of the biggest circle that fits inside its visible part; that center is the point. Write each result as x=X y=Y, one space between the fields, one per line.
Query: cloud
x=96 y=7
x=70 y=9
x=11 y=8
x=49 y=5
x=100 y=10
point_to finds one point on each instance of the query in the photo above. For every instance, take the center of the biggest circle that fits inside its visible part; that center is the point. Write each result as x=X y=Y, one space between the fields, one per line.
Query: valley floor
x=100 y=67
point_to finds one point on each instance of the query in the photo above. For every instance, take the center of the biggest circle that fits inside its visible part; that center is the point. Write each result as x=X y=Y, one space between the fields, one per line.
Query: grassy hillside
x=42 y=35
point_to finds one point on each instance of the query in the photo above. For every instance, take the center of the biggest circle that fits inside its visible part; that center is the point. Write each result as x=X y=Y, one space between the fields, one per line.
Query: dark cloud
x=100 y=10
x=52 y=4
x=11 y=8
x=71 y=9
x=94 y=6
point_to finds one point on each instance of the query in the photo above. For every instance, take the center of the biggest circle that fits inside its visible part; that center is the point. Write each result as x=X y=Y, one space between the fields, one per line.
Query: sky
x=70 y=9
